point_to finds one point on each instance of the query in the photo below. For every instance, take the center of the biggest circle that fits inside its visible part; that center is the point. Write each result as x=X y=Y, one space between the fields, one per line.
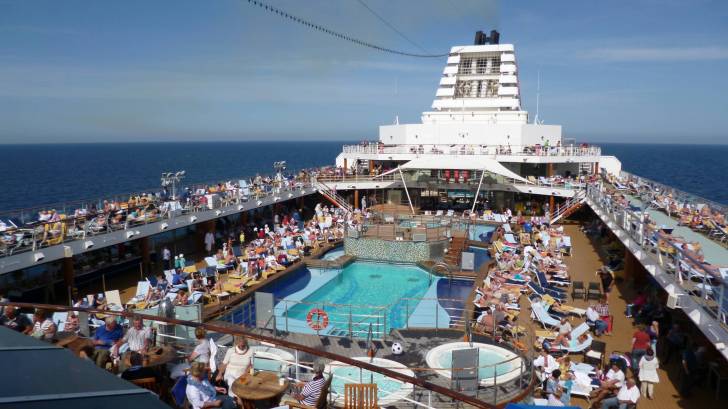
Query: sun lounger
x=113 y=297
x=141 y=292
x=560 y=296
x=540 y=314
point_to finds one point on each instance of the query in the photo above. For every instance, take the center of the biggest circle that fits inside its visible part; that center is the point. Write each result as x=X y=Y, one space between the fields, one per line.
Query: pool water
x=333 y=254
x=411 y=224
x=480 y=232
x=363 y=285
x=486 y=357
x=350 y=374
x=481 y=255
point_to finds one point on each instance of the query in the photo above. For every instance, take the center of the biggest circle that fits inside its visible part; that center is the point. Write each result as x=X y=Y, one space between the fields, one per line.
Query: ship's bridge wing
x=461 y=163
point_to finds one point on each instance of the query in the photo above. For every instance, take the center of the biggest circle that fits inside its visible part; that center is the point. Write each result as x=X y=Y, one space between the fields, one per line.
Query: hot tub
x=389 y=390
x=496 y=364
x=271 y=359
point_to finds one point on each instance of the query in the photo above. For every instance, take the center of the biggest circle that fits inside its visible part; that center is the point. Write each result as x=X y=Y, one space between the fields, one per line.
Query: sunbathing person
x=612 y=382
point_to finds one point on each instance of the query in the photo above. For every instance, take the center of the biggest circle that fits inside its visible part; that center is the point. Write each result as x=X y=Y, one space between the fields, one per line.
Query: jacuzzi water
x=496 y=364
x=364 y=284
x=412 y=224
x=486 y=358
x=388 y=390
x=333 y=254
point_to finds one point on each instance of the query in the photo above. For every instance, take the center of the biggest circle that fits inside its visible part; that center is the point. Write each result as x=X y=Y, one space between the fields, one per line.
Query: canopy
x=460 y=162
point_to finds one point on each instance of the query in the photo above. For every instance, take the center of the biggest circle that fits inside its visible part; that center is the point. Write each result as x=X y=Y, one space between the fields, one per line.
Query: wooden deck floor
x=582 y=266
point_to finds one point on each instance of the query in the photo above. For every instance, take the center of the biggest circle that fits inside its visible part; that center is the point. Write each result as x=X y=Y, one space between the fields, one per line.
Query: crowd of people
x=52 y=227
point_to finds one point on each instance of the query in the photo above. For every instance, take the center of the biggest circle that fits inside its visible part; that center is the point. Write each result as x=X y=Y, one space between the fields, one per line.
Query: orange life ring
x=520 y=346
x=320 y=322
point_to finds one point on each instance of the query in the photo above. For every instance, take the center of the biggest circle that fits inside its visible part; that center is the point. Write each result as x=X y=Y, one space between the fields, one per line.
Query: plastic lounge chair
x=594 y=290
x=577 y=288
x=544 y=282
x=541 y=315
x=559 y=295
x=578 y=347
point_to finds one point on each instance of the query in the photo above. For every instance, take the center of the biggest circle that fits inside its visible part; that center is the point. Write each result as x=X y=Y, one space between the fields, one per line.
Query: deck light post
x=172 y=179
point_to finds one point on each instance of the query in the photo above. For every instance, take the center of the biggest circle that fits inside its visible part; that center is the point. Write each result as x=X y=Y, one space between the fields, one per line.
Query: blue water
x=35 y=175
x=485 y=357
x=368 y=284
x=350 y=374
x=480 y=232
x=481 y=255
x=696 y=169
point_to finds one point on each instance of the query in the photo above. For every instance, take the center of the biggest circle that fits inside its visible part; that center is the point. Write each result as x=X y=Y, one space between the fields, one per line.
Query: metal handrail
x=276 y=342
x=641 y=234
x=473 y=149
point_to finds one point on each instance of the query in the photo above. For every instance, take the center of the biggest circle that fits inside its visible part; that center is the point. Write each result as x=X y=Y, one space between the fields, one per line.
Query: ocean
x=35 y=175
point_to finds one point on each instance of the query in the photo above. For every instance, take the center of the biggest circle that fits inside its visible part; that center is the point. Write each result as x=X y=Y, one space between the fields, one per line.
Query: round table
x=155 y=356
x=262 y=387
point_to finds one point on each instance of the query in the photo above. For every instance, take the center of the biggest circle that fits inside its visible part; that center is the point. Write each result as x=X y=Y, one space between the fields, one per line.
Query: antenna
x=396 y=92
x=538 y=96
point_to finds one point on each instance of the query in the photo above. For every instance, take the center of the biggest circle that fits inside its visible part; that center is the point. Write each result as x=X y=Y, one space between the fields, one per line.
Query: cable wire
x=337 y=34
x=388 y=24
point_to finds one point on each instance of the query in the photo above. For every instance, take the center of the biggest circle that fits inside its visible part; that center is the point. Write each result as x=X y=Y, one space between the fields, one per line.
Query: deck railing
x=415 y=391
x=457 y=149
x=78 y=220
x=691 y=277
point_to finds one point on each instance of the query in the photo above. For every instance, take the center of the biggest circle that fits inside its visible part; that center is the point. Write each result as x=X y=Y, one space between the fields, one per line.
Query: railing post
x=351 y=327
x=286 y=313
x=437 y=318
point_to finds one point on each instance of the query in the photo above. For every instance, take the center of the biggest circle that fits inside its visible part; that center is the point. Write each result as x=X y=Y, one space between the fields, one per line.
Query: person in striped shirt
x=311 y=390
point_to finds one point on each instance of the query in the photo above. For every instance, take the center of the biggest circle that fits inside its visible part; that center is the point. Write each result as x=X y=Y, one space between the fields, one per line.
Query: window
x=481 y=65
x=465 y=66
x=495 y=63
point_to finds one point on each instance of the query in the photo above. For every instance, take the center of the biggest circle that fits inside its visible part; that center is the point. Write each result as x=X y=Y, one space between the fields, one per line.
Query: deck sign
x=467 y=260
x=264 y=310
x=465 y=363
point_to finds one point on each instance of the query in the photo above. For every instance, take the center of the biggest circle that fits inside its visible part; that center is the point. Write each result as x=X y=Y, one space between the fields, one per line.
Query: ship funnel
x=482 y=39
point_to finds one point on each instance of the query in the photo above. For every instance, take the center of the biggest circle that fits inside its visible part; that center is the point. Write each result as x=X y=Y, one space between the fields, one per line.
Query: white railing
x=331 y=194
x=439 y=149
x=690 y=276
x=579 y=197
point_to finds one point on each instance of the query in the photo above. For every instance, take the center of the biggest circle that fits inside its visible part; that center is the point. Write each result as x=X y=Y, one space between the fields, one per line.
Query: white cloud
x=672 y=54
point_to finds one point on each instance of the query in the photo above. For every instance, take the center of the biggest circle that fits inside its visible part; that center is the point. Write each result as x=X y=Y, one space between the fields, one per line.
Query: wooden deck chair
x=321 y=403
x=149 y=384
x=360 y=396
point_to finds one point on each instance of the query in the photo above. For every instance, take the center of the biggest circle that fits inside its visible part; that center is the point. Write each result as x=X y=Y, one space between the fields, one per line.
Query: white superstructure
x=478 y=102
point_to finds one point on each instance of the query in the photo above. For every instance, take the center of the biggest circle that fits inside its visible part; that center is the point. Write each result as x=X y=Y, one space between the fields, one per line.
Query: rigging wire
x=388 y=24
x=337 y=34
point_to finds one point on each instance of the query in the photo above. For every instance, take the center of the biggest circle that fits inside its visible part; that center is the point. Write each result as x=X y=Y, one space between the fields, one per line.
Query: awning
x=460 y=162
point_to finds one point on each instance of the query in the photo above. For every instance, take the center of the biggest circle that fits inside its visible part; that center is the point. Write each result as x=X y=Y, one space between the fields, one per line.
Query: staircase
x=571 y=206
x=333 y=197
x=586 y=168
x=457 y=245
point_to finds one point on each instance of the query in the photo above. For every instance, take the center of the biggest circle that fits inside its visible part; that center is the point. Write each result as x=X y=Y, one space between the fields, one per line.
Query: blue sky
x=139 y=70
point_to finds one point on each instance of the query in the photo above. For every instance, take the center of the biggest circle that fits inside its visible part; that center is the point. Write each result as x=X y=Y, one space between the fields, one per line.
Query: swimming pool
x=389 y=390
x=481 y=256
x=363 y=293
x=412 y=224
x=480 y=232
x=496 y=364
x=333 y=254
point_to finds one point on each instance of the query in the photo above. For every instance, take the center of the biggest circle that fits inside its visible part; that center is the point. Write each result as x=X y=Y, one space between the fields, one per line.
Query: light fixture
x=259 y=202
x=193 y=219
x=129 y=234
x=163 y=226
x=218 y=212
x=38 y=256
x=88 y=244
x=240 y=207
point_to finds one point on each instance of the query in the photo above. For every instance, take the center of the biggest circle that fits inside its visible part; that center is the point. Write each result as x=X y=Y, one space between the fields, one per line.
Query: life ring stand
x=317 y=319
